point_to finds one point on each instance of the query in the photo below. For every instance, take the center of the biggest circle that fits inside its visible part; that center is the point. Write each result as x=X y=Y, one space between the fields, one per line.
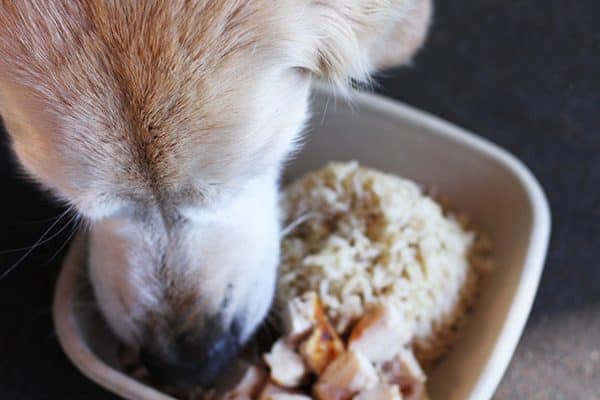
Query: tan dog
x=165 y=124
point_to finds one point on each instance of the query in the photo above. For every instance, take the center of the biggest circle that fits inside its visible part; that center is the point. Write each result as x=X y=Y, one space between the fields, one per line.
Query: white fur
x=236 y=244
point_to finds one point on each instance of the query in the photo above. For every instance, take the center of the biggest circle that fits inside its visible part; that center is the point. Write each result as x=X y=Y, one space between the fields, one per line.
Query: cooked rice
x=360 y=237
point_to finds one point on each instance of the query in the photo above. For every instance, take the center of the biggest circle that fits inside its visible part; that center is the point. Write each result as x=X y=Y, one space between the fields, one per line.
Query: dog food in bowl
x=362 y=238
x=375 y=279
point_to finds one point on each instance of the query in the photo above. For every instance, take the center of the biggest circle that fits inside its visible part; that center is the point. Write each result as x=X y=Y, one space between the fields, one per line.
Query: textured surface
x=523 y=74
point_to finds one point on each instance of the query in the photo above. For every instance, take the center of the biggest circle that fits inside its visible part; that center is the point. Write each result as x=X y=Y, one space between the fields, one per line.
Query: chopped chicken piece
x=323 y=345
x=270 y=390
x=249 y=383
x=328 y=391
x=380 y=334
x=287 y=367
x=404 y=370
x=274 y=392
x=380 y=392
x=300 y=315
x=347 y=375
x=288 y=396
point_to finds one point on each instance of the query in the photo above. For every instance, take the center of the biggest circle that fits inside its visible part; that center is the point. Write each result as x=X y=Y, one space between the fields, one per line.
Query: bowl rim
x=514 y=322
x=75 y=347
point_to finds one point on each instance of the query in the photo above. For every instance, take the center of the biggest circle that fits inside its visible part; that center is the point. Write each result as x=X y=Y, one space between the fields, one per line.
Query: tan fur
x=153 y=83
x=356 y=37
x=165 y=123
x=138 y=90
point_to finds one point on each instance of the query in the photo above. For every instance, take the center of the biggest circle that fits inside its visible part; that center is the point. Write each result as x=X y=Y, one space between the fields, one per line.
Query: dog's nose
x=192 y=359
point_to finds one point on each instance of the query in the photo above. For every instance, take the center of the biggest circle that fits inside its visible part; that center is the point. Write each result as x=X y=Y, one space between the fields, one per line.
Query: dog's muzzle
x=192 y=358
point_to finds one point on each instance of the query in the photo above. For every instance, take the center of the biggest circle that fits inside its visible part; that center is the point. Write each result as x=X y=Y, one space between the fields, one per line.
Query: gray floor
x=524 y=74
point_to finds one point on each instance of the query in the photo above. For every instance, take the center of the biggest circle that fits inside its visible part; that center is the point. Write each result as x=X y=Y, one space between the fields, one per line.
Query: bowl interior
x=479 y=179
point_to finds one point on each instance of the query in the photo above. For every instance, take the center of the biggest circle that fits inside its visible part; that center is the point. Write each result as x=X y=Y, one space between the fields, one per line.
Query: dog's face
x=166 y=124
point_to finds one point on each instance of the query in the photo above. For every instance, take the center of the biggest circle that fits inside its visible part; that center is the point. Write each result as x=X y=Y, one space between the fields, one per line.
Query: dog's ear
x=355 y=38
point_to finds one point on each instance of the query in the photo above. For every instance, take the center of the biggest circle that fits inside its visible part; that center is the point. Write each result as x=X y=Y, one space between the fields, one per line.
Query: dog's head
x=165 y=124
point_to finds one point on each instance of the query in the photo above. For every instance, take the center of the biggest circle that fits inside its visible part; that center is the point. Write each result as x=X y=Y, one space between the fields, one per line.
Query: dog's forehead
x=137 y=86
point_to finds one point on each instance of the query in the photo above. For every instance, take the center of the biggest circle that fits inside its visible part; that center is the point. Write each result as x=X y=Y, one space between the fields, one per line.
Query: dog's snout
x=192 y=359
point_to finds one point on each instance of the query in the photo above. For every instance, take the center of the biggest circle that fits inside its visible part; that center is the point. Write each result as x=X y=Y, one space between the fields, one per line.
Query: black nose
x=191 y=359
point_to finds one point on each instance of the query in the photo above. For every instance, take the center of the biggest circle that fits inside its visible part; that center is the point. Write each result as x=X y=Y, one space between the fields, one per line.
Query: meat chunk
x=274 y=392
x=347 y=375
x=328 y=391
x=288 y=396
x=380 y=392
x=287 y=367
x=300 y=316
x=323 y=344
x=249 y=383
x=380 y=334
x=404 y=370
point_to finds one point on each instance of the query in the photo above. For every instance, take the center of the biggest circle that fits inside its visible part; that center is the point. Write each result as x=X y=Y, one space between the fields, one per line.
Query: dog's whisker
x=40 y=221
x=295 y=223
x=36 y=244
x=41 y=241
x=74 y=230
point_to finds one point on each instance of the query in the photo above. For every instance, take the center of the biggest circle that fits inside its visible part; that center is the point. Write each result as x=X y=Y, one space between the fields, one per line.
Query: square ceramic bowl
x=484 y=181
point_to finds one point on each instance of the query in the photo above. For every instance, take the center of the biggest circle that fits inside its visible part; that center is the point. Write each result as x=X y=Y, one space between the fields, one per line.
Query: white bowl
x=484 y=181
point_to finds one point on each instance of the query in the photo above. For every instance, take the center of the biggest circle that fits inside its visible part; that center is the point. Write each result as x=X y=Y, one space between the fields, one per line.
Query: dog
x=165 y=124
